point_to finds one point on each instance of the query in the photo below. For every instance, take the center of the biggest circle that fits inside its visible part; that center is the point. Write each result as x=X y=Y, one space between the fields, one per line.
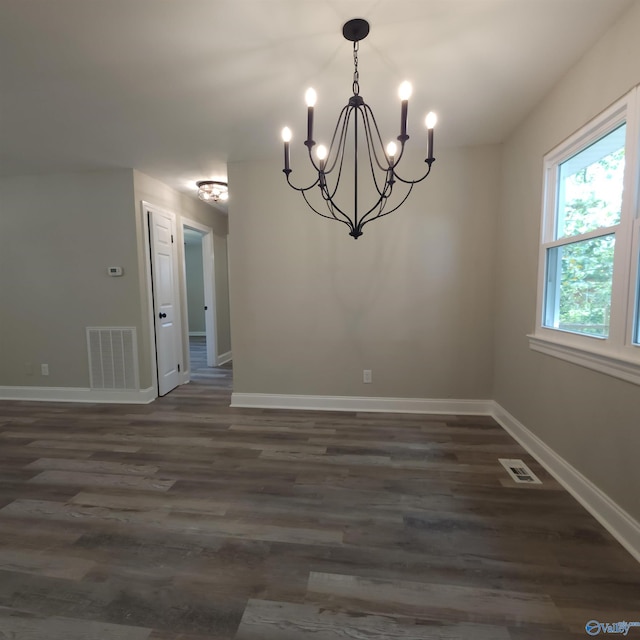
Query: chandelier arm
x=339 y=155
x=412 y=182
x=322 y=176
x=301 y=189
x=386 y=191
x=388 y=171
x=333 y=207
x=345 y=219
x=402 y=140
x=324 y=215
x=380 y=204
x=367 y=111
x=383 y=202
x=343 y=119
x=338 y=178
x=328 y=198
x=396 y=160
x=370 y=143
x=365 y=218
x=386 y=213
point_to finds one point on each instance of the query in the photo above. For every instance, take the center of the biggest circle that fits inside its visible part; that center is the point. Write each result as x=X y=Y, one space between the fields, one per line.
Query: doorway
x=165 y=244
x=199 y=290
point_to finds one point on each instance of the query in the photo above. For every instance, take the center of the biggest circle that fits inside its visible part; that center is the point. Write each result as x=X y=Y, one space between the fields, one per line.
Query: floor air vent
x=519 y=471
x=113 y=357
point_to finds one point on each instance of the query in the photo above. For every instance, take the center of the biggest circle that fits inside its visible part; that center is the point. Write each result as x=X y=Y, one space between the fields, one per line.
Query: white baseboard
x=365 y=404
x=223 y=358
x=78 y=394
x=616 y=520
x=197 y=334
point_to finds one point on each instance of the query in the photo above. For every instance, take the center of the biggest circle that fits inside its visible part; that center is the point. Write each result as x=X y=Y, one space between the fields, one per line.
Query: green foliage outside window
x=592 y=200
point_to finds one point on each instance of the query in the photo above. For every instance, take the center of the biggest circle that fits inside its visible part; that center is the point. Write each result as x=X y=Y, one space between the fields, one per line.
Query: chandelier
x=212 y=190
x=357 y=123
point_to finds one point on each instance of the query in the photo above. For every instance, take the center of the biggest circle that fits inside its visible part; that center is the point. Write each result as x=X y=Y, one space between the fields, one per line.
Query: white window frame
x=615 y=355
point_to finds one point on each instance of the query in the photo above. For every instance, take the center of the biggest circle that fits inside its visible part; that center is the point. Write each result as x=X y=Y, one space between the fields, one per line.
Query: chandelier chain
x=356 y=75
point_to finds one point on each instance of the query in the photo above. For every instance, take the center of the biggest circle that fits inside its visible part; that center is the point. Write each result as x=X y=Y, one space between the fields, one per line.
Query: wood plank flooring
x=188 y=520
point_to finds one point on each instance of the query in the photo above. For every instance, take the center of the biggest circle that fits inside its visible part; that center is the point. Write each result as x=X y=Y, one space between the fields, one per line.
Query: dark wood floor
x=188 y=520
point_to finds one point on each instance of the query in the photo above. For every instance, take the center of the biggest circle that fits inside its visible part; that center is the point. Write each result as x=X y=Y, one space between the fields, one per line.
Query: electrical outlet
x=44 y=369
x=366 y=376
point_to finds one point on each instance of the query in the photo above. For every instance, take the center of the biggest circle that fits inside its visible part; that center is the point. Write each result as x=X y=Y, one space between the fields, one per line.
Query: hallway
x=216 y=377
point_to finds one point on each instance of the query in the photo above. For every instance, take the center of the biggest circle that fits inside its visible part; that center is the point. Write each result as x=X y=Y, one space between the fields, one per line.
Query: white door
x=167 y=322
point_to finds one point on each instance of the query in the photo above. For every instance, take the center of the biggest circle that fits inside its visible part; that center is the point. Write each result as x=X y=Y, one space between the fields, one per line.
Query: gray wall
x=590 y=419
x=58 y=235
x=56 y=243
x=412 y=299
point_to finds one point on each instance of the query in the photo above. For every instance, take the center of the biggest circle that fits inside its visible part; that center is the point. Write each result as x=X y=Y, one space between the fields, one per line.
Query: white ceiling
x=177 y=88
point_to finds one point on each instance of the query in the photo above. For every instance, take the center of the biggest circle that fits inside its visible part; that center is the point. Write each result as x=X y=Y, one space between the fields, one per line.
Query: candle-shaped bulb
x=405 y=90
x=310 y=97
x=430 y=121
x=392 y=149
x=286 y=137
x=321 y=153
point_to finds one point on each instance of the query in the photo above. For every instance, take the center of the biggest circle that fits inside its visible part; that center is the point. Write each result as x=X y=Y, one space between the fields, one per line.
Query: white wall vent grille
x=113 y=358
x=519 y=471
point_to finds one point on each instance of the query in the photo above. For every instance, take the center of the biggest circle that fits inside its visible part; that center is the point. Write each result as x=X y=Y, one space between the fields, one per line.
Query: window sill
x=611 y=365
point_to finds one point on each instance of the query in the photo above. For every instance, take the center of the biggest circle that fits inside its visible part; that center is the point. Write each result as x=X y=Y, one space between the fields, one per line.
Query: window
x=589 y=284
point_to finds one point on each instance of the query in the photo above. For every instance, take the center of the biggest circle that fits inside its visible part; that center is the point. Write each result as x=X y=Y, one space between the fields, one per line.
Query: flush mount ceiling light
x=356 y=122
x=212 y=190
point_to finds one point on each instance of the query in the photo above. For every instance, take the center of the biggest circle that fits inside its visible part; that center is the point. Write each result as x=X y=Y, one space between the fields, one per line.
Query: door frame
x=208 y=266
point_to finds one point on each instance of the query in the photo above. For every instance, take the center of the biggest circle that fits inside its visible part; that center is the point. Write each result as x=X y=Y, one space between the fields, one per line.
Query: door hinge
x=178 y=368
x=172 y=238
